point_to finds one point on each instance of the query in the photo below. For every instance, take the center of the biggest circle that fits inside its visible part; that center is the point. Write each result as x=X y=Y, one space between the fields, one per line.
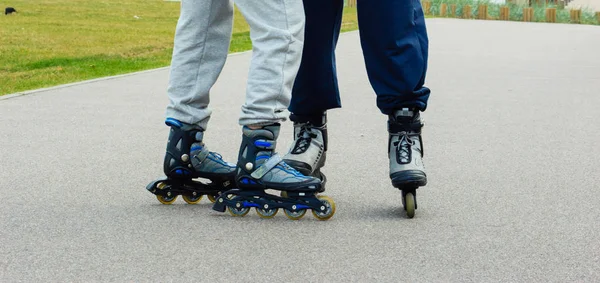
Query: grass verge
x=53 y=42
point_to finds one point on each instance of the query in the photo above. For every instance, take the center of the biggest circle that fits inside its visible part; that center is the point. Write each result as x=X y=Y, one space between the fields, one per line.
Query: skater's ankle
x=258 y=126
x=318 y=119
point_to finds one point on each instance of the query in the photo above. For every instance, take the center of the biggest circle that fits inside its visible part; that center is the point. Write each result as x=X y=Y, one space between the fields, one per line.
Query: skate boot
x=260 y=169
x=405 y=146
x=308 y=151
x=187 y=158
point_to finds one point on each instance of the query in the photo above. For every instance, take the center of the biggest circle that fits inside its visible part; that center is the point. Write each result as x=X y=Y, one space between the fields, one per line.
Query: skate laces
x=404 y=147
x=304 y=137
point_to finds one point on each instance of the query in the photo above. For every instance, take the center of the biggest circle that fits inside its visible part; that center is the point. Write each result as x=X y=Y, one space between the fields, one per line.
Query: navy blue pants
x=394 y=43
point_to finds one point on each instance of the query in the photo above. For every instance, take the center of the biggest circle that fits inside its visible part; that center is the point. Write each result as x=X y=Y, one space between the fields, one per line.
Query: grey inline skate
x=308 y=152
x=407 y=171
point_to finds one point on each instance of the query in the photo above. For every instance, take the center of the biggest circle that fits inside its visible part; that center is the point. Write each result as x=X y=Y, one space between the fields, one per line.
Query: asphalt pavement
x=511 y=151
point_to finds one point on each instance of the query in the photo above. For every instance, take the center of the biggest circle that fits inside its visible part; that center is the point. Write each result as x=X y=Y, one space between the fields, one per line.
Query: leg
x=395 y=46
x=277 y=33
x=316 y=88
x=201 y=45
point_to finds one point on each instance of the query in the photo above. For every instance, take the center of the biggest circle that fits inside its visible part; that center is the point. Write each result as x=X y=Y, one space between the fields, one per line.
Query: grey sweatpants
x=200 y=49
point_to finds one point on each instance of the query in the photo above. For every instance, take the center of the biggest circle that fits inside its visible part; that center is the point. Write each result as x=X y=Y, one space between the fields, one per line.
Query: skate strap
x=266 y=167
x=202 y=155
x=408 y=127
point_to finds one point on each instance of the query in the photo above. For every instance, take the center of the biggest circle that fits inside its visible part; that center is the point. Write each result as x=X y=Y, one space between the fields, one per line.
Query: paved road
x=511 y=151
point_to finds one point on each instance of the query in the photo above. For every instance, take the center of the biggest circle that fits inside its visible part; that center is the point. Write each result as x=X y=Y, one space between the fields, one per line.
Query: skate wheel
x=329 y=208
x=212 y=198
x=166 y=200
x=266 y=213
x=238 y=212
x=294 y=215
x=409 y=204
x=192 y=200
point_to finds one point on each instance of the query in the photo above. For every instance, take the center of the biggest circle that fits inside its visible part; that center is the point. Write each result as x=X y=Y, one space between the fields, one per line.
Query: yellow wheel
x=329 y=208
x=166 y=200
x=266 y=212
x=409 y=205
x=294 y=215
x=212 y=198
x=192 y=199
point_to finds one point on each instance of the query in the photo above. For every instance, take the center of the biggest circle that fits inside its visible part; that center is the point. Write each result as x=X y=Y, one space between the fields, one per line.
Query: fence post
x=467 y=12
x=453 y=10
x=598 y=17
x=427 y=7
x=482 y=12
x=528 y=14
x=504 y=13
x=576 y=16
x=443 y=9
x=551 y=15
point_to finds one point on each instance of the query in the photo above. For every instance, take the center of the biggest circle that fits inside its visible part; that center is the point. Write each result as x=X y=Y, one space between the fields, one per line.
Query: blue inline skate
x=188 y=159
x=260 y=169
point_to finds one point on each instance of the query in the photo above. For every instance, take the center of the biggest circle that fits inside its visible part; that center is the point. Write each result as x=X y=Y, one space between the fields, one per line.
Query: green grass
x=52 y=42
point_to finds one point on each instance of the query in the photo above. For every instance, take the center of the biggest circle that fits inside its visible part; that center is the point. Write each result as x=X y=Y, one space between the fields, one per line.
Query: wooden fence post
x=576 y=16
x=551 y=15
x=528 y=14
x=467 y=12
x=427 y=7
x=504 y=13
x=443 y=9
x=482 y=12
x=598 y=17
x=453 y=10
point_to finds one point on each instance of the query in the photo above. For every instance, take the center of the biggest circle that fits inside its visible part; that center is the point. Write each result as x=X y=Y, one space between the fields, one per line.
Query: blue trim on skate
x=181 y=172
x=262 y=157
x=250 y=204
x=262 y=144
x=196 y=148
x=302 y=206
x=295 y=172
x=248 y=181
x=173 y=123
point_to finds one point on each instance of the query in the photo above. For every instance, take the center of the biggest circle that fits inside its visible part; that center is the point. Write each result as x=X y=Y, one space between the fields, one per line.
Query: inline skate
x=309 y=149
x=187 y=158
x=260 y=169
x=407 y=171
